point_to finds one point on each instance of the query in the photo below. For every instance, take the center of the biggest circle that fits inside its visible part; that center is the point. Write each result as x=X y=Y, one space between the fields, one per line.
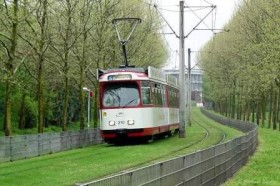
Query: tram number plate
x=121 y=122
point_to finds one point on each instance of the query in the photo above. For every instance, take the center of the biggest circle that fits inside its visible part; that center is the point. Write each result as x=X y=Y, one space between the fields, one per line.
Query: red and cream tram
x=137 y=103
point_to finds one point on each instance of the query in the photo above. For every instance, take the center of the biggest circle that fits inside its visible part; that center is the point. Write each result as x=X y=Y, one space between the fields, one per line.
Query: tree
x=37 y=38
x=56 y=46
x=9 y=43
x=62 y=45
x=250 y=60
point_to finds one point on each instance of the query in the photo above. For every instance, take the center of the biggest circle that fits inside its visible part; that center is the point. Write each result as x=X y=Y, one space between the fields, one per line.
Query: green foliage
x=242 y=69
x=60 y=44
x=31 y=112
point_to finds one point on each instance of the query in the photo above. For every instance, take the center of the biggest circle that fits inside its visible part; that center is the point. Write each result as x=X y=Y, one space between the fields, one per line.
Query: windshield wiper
x=129 y=102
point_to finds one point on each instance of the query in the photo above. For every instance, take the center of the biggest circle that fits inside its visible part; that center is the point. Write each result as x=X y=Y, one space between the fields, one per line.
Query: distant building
x=196 y=82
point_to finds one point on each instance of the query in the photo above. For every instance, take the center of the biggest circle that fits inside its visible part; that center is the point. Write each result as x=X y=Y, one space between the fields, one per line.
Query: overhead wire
x=171 y=51
x=203 y=22
x=177 y=11
x=191 y=10
x=166 y=21
x=208 y=2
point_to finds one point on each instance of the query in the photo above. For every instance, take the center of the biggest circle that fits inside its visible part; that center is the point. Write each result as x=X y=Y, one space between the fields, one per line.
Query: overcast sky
x=192 y=16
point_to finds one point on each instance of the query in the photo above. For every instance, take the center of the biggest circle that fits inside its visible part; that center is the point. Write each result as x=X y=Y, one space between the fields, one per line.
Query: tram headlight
x=130 y=122
x=112 y=123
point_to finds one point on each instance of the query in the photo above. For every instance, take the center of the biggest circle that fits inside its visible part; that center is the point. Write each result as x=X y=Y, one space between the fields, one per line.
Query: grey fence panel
x=191 y=159
x=65 y=140
x=26 y=146
x=44 y=144
x=172 y=165
x=18 y=149
x=211 y=166
x=3 y=150
x=169 y=171
x=55 y=143
x=32 y=146
x=8 y=147
x=143 y=175
x=75 y=139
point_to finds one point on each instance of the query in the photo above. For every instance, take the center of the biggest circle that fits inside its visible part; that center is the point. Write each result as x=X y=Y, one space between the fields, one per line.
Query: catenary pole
x=189 y=102
x=183 y=95
x=182 y=103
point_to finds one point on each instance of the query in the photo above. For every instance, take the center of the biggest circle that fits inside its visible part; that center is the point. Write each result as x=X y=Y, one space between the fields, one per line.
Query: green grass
x=264 y=166
x=86 y=164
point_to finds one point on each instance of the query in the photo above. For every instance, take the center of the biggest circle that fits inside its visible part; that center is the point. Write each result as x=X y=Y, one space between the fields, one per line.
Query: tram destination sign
x=119 y=77
x=156 y=74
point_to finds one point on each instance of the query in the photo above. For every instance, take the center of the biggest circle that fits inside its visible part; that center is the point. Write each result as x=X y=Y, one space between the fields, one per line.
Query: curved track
x=222 y=133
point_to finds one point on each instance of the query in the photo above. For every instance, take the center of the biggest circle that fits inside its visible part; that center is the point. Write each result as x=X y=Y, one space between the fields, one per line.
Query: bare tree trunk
x=82 y=99
x=258 y=113
x=248 y=112
x=40 y=97
x=10 y=68
x=82 y=59
x=41 y=60
x=65 y=102
x=82 y=80
x=8 y=110
x=253 y=112
x=232 y=115
x=274 y=112
x=270 y=108
x=244 y=109
x=66 y=66
x=263 y=111
x=278 y=109
x=22 y=110
x=238 y=110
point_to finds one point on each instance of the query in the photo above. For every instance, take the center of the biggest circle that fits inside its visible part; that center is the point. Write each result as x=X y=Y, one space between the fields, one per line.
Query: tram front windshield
x=121 y=95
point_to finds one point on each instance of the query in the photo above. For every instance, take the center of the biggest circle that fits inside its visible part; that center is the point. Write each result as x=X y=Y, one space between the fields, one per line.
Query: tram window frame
x=146 y=91
x=158 y=94
x=112 y=94
x=173 y=97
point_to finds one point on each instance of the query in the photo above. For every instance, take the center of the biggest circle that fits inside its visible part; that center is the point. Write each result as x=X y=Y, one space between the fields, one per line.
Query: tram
x=137 y=104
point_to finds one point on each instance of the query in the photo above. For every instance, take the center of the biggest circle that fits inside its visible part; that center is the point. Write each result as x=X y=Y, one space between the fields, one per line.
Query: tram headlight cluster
x=130 y=122
x=113 y=123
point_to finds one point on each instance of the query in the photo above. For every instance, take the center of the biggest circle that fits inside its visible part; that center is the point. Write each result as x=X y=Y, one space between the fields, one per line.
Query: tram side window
x=158 y=94
x=173 y=97
x=145 y=92
x=163 y=95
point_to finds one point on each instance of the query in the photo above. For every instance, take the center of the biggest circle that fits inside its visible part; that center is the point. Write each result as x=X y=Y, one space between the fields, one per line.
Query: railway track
x=100 y=160
x=209 y=131
x=222 y=134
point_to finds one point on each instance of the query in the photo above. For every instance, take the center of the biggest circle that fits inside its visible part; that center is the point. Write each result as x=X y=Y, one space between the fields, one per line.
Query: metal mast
x=182 y=103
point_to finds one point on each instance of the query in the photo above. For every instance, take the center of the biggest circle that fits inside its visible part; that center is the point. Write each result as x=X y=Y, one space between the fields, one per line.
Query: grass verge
x=86 y=164
x=264 y=166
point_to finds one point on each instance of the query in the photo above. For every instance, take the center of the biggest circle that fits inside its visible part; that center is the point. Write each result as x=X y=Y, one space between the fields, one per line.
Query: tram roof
x=139 y=70
x=152 y=73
